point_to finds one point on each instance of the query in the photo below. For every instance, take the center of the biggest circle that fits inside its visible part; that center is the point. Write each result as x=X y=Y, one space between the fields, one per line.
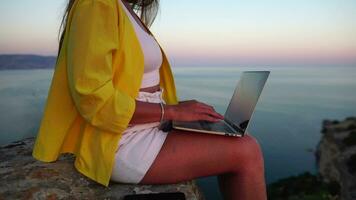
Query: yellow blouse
x=92 y=94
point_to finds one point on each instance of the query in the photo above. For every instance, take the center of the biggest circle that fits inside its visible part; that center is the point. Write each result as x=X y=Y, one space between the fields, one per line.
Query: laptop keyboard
x=221 y=126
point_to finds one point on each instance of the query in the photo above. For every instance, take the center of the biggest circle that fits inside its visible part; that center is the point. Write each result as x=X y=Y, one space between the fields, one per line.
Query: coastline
x=336 y=161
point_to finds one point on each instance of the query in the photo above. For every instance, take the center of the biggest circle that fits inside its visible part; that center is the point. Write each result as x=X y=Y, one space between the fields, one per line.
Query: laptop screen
x=245 y=98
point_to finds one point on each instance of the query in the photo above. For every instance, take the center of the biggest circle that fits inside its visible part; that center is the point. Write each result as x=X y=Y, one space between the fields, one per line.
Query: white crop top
x=152 y=53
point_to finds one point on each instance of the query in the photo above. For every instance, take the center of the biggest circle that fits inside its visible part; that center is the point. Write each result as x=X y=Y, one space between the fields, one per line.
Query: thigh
x=188 y=155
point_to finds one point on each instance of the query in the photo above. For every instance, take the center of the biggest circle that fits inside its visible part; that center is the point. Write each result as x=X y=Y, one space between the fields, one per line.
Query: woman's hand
x=192 y=110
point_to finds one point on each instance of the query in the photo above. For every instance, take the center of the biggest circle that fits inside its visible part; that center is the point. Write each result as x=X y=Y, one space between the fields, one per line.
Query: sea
x=287 y=120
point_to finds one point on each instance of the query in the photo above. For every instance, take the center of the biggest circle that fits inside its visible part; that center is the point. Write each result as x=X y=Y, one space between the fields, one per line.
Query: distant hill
x=17 y=61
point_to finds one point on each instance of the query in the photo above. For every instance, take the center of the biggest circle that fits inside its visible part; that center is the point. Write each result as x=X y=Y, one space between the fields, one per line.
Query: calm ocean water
x=287 y=120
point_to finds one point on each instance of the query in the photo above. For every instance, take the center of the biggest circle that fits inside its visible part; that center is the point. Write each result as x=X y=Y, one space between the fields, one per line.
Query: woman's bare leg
x=238 y=162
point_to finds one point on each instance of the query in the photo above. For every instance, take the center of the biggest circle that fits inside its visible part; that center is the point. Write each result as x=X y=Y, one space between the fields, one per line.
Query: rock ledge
x=23 y=177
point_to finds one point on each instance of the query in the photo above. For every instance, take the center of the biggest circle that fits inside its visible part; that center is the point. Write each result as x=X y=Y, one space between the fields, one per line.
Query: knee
x=248 y=154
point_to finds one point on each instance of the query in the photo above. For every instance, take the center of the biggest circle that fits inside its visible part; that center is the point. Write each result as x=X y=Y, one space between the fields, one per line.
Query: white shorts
x=138 y=146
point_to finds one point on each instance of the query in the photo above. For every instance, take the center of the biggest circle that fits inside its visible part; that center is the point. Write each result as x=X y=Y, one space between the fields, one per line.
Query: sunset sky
x=212 y=32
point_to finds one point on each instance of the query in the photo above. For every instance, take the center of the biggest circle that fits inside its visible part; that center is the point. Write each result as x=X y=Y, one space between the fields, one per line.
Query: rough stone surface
x=23 y=177
x=336 y=155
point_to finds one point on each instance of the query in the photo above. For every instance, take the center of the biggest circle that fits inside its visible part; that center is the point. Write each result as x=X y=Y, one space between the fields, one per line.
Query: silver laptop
x=239 y=111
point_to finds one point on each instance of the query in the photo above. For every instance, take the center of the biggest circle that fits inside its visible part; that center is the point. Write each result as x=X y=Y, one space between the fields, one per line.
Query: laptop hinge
x=233 y=126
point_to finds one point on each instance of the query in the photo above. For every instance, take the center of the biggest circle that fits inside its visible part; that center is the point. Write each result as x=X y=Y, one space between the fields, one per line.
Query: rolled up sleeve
x=92 y=40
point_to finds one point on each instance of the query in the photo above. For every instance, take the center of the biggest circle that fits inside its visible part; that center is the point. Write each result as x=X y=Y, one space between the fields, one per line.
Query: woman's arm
x=190 y=110
x=146 y=112
x=92 y=38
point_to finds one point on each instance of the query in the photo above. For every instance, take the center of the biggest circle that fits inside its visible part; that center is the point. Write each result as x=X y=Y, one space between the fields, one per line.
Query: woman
x=113 y=87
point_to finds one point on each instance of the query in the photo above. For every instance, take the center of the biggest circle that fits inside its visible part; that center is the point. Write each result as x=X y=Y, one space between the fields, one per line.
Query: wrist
x=168 y=112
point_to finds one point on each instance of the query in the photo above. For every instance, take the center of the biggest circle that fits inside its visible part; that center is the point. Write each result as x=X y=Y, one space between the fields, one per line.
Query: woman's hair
x=146 y=9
